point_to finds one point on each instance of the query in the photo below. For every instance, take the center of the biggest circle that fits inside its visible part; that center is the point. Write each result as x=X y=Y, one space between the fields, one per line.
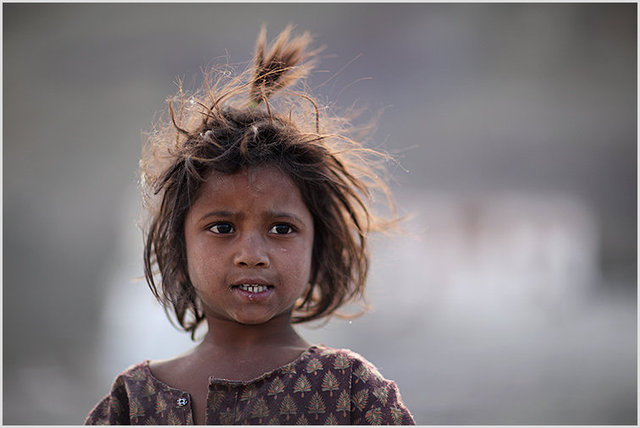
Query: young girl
x=259 y=213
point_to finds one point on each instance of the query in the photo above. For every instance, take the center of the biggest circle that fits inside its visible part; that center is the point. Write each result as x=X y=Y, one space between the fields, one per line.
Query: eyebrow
x=272 y=214
x=217 y=214
x=283 y=214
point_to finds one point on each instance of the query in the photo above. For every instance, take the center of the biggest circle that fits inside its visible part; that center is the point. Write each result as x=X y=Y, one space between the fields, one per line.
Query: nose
x=251 y=251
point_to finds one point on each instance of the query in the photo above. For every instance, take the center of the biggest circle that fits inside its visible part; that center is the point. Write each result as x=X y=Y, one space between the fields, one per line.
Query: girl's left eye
x=281 y=229
x=221 y=228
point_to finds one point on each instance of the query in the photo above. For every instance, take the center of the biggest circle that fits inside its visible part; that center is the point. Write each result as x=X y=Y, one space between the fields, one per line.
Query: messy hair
x=254 y=119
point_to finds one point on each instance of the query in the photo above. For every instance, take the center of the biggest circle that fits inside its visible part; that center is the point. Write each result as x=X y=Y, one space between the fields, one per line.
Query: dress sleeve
x=113 y=409
x=376 y=400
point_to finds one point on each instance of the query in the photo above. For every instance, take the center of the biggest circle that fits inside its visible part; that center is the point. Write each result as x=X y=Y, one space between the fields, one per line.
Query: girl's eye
x=281 y=229
x=221 y=228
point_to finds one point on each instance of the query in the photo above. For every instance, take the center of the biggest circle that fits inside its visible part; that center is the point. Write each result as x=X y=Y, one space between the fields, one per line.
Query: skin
x=248 y=227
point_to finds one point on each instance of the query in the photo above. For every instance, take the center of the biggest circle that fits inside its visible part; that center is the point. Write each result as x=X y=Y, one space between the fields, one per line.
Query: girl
x=259 y=214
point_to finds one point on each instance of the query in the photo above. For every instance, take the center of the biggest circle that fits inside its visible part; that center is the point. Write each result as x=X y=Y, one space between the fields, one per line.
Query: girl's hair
x=235 y=123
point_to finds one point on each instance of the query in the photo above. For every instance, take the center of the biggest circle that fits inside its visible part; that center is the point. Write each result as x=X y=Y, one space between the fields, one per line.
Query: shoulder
x=132 y=379
x=374 y=399
x=135 y=373
x=346 y=359
x=114 y=407
x=135 y=397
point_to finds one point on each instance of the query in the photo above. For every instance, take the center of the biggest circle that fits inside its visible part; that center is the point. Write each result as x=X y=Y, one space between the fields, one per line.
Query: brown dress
x=323 y=386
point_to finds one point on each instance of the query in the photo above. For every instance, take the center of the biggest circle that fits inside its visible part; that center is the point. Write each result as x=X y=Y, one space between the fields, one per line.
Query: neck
x=242 y=352
x=235 y=337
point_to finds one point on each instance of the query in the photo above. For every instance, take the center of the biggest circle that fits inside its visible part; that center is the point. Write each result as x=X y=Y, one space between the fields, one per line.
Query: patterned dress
x=323 y=386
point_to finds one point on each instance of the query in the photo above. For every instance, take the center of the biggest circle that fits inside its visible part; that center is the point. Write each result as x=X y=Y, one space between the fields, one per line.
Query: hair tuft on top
x=232 y=123
x=281 y=66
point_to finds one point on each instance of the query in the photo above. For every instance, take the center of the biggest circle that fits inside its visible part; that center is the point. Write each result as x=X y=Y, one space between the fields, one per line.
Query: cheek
x=193 y=268
x=302 y=260
x=199 y=263
x=294 y=264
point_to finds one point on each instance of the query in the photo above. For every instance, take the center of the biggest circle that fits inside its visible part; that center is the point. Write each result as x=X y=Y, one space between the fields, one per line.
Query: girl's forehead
x=252 y=187
x=255 y=178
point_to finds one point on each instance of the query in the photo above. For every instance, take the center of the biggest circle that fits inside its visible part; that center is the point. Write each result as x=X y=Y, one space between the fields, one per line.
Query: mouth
x=253 y=288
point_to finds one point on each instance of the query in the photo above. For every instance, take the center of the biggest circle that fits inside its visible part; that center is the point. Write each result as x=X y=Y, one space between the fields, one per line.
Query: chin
x=259 y=319
x=252 y=320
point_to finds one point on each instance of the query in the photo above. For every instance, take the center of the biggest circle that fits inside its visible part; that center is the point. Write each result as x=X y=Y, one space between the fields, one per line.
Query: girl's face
x=249 y=240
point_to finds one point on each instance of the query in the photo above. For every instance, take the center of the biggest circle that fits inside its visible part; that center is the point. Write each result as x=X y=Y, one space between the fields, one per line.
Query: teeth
x=253 y=288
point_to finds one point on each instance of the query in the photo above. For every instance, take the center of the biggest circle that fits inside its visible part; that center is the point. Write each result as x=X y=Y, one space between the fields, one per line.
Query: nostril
x=250 y=262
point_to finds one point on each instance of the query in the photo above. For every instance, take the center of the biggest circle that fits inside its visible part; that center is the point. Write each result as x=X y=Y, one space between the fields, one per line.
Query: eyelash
x=217 y=225
x=291 y=228
x=213 y=226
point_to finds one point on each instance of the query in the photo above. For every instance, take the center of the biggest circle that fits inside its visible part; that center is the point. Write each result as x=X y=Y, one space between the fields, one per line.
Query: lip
x=252 y=297
x=252 y=281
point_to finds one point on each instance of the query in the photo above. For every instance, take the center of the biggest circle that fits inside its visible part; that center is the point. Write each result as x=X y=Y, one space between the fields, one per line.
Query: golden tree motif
x=344 y=403
x=161 y=405
x=302 y=385
x=148 y=389
x=362 y=373
x=330 y=383
x=374 y=416
x=275 y=388
x=151 y=421
x=316 y=405
x=135 y=409
x=288 y=406
x=381 y=393
x=173 y=419
x=138 y=374
x=331 y=420
x=260 y=409
x=360 y=399
x=313 y=366
x=341 y=362
x=115 y=407
x=396 y=415
x=248 y=393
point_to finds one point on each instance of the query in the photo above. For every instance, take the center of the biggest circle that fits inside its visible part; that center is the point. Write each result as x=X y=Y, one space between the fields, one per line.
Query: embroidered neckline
x=236 y=383
x=219 y=381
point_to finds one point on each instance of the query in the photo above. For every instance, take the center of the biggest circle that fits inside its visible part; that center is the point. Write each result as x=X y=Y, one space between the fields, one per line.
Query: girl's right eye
x=221 y=228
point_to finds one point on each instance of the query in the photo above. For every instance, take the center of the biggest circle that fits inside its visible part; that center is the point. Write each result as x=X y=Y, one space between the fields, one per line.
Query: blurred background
x=509 y=299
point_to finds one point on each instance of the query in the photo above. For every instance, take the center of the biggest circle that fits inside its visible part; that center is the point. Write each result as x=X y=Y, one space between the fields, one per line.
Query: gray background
x=510 y=298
